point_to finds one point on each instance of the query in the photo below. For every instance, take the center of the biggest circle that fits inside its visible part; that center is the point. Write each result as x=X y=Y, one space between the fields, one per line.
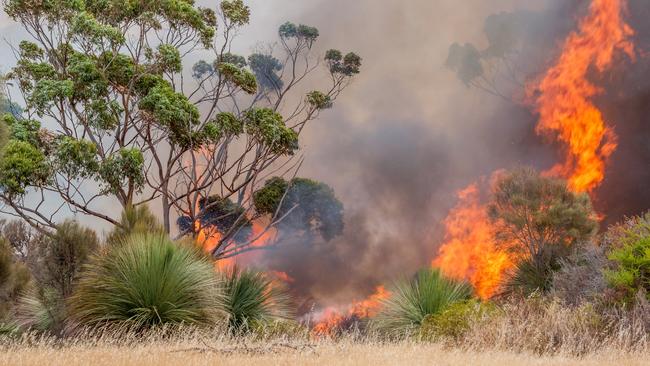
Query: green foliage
x=266 y=68
x=300 y=32
x=238 y=76
x=22 y=165
x=64 y=254
x=147 y=282
x=24 y=130
x=280 y=328
x=252 y=298
x=455 y=321
x=134 y=220
x=236 y=12
x=308 y=205
x=76 y=158
x=85 y=26
x=168 y=59
x=124 y=167
x=411 y=301
x=318 y=100
x=172 y=111
x=47 y=92
x=347 y=65
x=539 y=220
x=268 y=127
x=630 y=257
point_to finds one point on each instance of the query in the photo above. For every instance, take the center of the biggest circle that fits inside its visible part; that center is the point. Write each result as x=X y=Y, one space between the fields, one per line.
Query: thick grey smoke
x=408 y=133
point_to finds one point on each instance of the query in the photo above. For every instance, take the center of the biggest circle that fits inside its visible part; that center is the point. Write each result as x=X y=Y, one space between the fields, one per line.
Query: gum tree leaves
x=268 y=127
x=239 y=77
x=347 y=65
x=309 y=206
x=21 y=165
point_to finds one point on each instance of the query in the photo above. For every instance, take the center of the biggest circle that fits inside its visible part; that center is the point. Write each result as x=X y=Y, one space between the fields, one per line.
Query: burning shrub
x=253 y=299
x=146 y=282
x=630 y=256
x=429 y=293
x=540 y=221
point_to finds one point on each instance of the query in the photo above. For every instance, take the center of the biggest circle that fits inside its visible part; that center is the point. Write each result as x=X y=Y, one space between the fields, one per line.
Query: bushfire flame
x=209 y=237
x=470 y=251
x=564 y=103
x=568 y=115
x=332 y=319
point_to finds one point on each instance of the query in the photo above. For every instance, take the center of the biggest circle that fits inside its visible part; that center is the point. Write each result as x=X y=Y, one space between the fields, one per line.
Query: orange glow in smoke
x=566 y=111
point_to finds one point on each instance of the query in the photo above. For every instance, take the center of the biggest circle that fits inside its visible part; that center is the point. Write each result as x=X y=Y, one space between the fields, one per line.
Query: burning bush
x=539 y=220
x=146 y=282
x=411 y=301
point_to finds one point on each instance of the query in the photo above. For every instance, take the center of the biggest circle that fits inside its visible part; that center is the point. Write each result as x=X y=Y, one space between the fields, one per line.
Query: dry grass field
x=195 y=352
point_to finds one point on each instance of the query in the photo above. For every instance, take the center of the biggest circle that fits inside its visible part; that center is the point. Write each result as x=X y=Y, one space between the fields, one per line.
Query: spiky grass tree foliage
x=252 y=298
x=411 y=301
x=146 y=282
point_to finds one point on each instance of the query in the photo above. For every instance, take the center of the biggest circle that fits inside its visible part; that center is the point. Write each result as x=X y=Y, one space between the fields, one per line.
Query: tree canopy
x=114 y=112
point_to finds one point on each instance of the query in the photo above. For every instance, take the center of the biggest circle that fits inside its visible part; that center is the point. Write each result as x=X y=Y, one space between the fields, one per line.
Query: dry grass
x=203 y=350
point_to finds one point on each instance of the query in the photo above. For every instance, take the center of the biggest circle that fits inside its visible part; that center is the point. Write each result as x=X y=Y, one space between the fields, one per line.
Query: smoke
x=408 y=134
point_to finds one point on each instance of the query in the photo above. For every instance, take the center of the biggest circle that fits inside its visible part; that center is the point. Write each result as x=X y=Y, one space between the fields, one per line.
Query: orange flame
x=470 y=251
x=566 y=114
x=564 y=103
x=333 y=319
x=209 y=237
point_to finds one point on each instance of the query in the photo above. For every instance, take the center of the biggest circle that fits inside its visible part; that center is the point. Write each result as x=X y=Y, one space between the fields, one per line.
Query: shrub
x=429 y=293
x=64 y=254
x=540 y=220
x=454 y=322
x=630 y=257
x=146 y=282
x=253 y=299
x=581 y=278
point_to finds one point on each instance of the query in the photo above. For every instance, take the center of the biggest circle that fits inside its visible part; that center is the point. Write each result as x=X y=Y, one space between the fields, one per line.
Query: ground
x=189 y=353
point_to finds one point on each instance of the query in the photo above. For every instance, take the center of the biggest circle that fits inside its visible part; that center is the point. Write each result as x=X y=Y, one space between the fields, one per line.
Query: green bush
x=630 y=257
x=146 y=282
x=429 y=293
x=455 y=321
x=253 y=299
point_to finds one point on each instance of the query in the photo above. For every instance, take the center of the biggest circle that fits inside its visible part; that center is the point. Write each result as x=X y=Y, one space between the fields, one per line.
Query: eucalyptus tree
x=114 y=111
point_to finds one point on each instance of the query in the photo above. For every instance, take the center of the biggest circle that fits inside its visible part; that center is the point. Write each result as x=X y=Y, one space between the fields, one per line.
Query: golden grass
x=187 y=352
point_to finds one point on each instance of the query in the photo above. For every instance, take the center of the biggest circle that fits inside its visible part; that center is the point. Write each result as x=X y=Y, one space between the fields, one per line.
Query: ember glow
x=567 y=114
x=470 y=251
x=333 y=320
x=209 y=237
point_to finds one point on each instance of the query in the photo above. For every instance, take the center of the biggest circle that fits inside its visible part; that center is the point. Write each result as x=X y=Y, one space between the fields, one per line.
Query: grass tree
x=252 y=298
x=147 y=282
x=411 y=301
